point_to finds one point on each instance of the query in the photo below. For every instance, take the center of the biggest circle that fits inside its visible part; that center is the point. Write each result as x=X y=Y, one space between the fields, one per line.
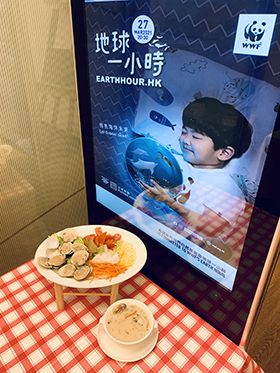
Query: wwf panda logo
x=254 y=31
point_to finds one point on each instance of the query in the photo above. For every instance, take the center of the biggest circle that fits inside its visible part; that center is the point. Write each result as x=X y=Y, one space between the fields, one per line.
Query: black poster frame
x=248 y=290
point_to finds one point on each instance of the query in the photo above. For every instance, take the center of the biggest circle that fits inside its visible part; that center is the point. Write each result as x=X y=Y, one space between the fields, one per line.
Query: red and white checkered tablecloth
x=36 y=337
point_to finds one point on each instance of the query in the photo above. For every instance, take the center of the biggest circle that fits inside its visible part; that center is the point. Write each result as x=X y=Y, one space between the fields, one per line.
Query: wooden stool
x=60 y=300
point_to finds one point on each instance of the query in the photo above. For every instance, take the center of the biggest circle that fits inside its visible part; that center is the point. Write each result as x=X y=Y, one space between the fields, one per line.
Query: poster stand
x=133 y=85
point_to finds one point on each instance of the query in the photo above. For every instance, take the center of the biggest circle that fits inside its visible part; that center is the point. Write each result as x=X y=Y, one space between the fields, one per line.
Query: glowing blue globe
x=147 y=160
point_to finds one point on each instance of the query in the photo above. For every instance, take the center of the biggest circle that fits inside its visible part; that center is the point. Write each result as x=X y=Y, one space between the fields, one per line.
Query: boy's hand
x=157 y=193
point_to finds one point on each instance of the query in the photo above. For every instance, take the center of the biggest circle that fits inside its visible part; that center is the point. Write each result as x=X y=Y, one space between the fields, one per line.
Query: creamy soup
x=129 y=324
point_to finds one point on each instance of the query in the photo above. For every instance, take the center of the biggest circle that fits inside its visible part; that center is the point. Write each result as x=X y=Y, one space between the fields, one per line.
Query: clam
x=66 y=248
x=44 y=261
x=67 y=270
x=68 y=234
x=57 y=260
x=78 y=247
x=82 y=272
x=52 y=242
x=138 y=320
x=120 y=308
x=79 y=258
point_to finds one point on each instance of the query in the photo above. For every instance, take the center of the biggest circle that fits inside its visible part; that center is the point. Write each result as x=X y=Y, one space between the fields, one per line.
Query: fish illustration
x=160 y=95
x=144 y=165
x=237 y=88
x=156 y=43
x=161 y=119
x=159 y=44
x=166 y=160
x=139 y=151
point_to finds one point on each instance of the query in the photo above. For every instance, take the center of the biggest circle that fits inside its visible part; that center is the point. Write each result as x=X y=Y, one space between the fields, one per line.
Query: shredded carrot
x=131 y=314
x=106 y=270
x=148 y=325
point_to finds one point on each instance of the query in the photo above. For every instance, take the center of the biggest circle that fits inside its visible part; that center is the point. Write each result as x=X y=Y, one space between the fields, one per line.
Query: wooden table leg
x=114 y=293
x=59 y=296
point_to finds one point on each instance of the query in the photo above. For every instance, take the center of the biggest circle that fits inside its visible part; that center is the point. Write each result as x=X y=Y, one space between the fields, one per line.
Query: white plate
x=141 y=256
x=126 y=353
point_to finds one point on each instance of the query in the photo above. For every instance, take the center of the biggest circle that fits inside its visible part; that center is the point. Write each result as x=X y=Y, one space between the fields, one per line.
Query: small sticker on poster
x=254 y=34
x=143 y=29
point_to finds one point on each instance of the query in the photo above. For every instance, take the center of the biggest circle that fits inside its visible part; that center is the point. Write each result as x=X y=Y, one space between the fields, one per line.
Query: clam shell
x=82 y=272
x=52 y=242
x=120 y=308
x=79 y=258
x=67 y=270
x=57 y=260
x=68 y=234
x=66 y=248
x=78 y=247
x=44 y=261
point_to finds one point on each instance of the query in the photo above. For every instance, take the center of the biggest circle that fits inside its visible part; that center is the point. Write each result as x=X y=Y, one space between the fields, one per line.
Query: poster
x=179 y=138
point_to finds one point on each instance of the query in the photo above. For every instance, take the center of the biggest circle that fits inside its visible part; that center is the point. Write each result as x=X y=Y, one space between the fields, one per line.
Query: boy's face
x=199 y=149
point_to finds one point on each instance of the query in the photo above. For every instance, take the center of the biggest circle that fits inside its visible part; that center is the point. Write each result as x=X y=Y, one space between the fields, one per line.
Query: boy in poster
x=209 y=201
